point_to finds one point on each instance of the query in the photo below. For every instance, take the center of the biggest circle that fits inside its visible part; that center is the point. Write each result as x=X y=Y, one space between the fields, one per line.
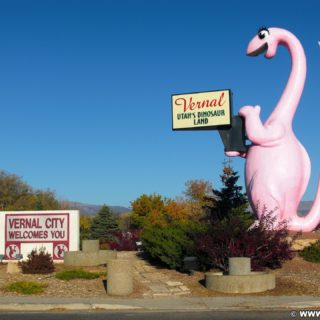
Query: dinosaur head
x=266 y=41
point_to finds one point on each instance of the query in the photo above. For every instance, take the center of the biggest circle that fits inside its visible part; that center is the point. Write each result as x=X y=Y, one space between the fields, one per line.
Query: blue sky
x=85 y=90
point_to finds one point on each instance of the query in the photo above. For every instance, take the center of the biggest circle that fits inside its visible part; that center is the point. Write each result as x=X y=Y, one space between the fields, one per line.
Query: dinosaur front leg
x=256 y=131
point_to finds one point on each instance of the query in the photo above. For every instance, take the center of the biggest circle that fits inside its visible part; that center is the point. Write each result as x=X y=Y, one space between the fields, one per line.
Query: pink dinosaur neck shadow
x=277 y=165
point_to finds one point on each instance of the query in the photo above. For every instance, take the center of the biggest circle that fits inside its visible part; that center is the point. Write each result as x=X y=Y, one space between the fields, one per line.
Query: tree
x=17 y=195
x=46 y=200
x=12 y=188
x=154 y=210
x=85 y=223
x=104 y=224
x=124 y=221
x=177 y=211
x=230 y=200
x=198 y=190
x=146 y=207
x=199 y=198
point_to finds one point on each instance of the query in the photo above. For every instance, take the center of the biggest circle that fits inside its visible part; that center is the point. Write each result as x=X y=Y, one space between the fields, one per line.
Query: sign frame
x=201 y=128
x=56 y=230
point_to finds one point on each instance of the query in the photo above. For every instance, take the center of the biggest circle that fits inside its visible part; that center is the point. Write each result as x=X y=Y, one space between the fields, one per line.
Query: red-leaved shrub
x=38 y=262
x=267 y=247
x=125 y=240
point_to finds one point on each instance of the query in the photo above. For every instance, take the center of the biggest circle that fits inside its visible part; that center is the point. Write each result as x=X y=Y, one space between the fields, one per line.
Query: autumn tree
x=17 y=195
x=12 y=188
x=177 y=211
x=104 y=224
x=167 y=234
x=146 y=208
x=198 y=190
x=124 y=220
x=85 y=223
x=199 y=198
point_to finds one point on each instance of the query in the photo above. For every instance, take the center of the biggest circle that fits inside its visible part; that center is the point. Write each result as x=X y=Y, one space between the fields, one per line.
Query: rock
x=174 y=283
x=13 y=267
x=298 y=245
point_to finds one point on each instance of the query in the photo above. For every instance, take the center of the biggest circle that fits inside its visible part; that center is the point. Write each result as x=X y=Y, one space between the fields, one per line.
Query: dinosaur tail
x=311 y=220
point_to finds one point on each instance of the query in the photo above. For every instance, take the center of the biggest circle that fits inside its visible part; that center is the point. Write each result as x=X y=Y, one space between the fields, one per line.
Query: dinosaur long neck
x=290 y=98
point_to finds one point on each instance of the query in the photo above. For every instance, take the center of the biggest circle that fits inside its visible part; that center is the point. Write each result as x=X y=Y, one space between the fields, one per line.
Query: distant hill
x=92 y=209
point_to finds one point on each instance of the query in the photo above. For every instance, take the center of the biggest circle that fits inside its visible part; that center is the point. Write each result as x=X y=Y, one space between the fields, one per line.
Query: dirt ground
x=296 y=277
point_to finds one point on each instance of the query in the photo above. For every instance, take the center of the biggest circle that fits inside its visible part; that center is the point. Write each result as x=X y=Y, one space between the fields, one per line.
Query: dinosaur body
x=277 y=166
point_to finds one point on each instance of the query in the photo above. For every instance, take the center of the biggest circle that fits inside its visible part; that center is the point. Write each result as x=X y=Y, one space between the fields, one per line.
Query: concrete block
x=90 y=245
x=120 y=277
x=239 y=266
x=81 y=259
x=13 y=267
x=251 y=283
x=88 y=259
x=106 y=255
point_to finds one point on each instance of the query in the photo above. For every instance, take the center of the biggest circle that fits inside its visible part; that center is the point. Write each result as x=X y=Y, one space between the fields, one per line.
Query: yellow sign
x=201 y=110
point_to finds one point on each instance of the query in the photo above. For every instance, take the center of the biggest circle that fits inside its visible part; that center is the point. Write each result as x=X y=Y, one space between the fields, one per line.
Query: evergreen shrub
x=311 y=253
x=169 y=245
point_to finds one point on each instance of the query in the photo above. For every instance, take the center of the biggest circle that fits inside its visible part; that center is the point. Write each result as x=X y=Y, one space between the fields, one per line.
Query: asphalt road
x=198 y=315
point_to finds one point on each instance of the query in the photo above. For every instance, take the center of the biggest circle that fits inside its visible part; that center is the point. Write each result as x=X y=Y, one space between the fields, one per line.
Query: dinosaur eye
x=263 y=33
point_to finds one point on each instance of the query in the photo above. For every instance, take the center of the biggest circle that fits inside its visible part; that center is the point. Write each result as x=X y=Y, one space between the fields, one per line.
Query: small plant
x=38 y=262
x=25 y=287
x=78 y=274
x=125 y=240
x=311 y=253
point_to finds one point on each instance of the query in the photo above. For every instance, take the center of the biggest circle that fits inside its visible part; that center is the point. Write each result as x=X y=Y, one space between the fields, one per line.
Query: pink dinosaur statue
x=278 y=167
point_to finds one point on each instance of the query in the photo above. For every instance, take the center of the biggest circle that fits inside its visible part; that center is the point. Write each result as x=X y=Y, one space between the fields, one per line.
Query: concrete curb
x=63 y=307
x=26 y=304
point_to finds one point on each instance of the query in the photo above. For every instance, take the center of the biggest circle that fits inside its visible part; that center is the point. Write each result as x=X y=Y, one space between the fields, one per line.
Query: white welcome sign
x=55 y=230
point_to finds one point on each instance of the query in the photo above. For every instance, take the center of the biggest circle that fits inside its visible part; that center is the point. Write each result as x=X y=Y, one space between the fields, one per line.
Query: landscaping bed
x=81 y=288
x=296 y=277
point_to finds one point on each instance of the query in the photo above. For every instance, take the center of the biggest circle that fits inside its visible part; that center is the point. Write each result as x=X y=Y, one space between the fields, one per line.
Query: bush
x=170 y=245
x=78 y=274
x=38 y=262
x=125 y=240
x=24 y=287
x=311 y=253
x=267 y=247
